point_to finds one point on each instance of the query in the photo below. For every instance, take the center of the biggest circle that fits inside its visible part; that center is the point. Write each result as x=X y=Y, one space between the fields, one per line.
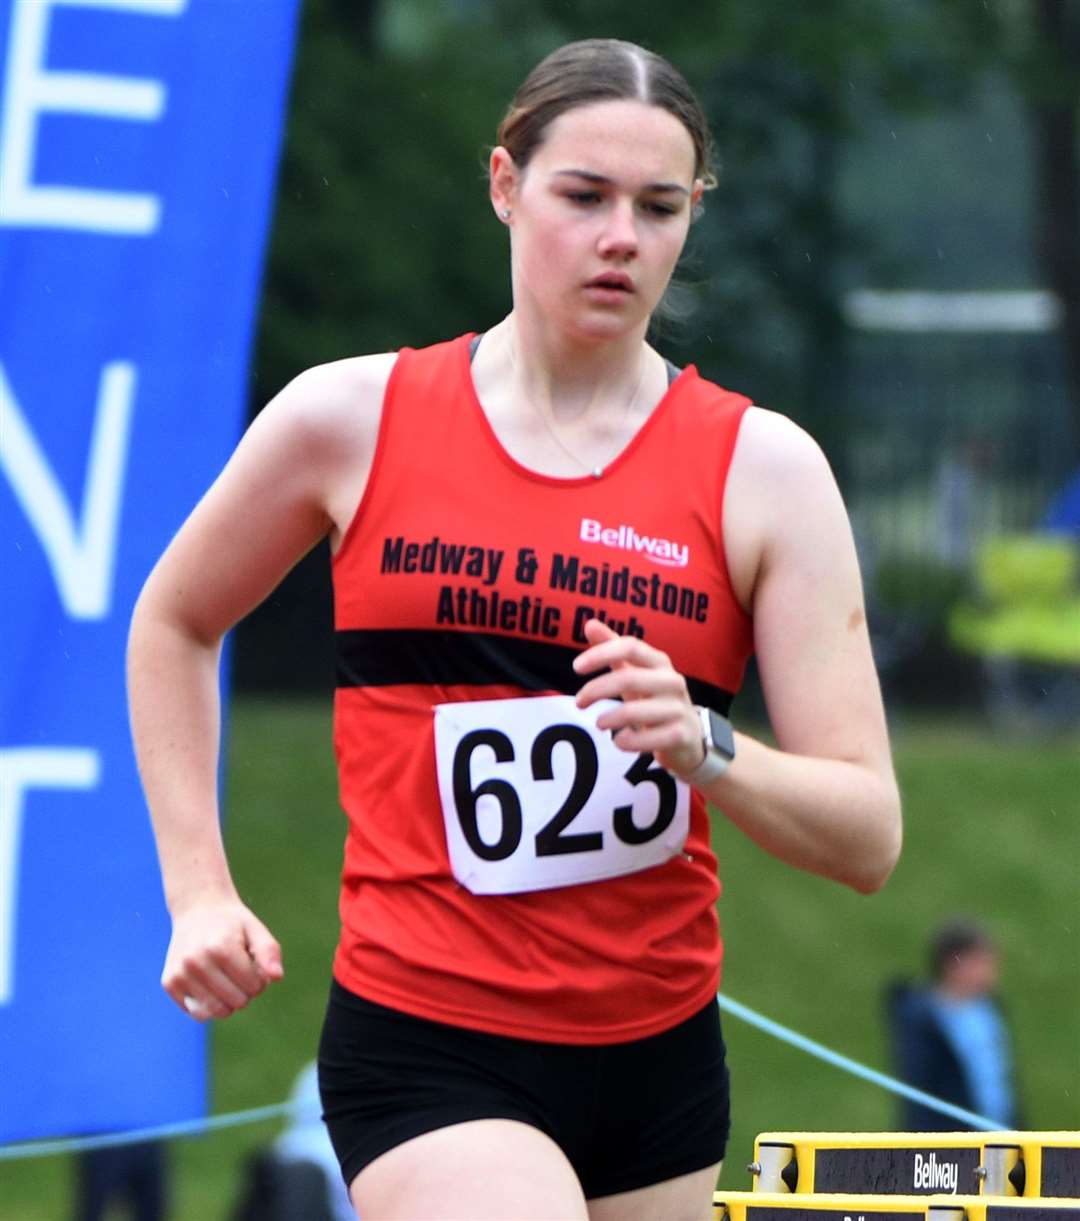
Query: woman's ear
x=697 y=199
x=502 y=183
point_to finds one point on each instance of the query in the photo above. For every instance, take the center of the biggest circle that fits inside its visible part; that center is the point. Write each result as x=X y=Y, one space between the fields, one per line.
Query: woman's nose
x=619 y=236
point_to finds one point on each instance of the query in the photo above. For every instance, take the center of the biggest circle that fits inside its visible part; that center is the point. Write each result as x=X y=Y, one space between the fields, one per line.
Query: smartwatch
x=718 y=739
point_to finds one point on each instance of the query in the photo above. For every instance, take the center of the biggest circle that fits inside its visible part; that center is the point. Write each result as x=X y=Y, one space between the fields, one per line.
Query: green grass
x=992 y=829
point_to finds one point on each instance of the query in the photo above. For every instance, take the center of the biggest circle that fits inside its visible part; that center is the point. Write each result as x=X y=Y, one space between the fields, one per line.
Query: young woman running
x=553 y=554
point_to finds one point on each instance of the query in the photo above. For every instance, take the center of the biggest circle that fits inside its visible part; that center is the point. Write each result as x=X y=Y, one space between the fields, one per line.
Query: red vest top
x=464 y=576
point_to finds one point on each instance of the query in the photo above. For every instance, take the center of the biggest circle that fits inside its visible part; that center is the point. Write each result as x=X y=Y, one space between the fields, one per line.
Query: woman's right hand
x=220 y=957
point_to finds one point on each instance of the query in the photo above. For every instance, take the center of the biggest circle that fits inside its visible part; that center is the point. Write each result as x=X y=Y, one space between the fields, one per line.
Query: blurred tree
x=380 y=236
x=1053 y=86
x=1038 y=43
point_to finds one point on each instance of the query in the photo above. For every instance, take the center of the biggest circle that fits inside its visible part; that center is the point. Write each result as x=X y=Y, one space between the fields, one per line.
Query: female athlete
x=553 y=555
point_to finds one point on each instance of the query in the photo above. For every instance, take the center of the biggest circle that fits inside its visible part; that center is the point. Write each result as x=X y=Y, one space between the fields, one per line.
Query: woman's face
x=599 y=216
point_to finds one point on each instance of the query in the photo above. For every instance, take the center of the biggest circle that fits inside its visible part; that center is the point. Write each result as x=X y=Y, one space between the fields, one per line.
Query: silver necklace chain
x=595 y=470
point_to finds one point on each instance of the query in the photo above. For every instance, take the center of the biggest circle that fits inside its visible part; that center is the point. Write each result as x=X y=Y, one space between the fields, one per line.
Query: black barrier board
x=1033 y=1212
x=939 y=1170
x=1061 y=1171
x=755 y=1212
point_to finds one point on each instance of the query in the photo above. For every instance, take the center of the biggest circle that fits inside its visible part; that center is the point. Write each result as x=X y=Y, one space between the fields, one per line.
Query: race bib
x=534 y=796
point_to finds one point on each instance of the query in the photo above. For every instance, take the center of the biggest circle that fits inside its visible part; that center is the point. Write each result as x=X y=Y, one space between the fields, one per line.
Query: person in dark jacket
x=136 y=1175
x=951 y=1038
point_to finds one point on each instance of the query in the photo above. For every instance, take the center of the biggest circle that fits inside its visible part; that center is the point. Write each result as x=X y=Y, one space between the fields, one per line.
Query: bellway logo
x=626 y=538
x=932 y=1175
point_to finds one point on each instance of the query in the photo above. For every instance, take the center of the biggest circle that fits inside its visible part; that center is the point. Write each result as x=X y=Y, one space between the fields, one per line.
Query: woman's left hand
x=656 y=715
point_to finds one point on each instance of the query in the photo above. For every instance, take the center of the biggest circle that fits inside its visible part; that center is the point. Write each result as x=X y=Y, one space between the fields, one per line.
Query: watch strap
x=710 y=768
x=716 y=761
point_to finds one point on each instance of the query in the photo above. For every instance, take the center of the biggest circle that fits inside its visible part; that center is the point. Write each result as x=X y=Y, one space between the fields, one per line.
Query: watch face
x=722 y=735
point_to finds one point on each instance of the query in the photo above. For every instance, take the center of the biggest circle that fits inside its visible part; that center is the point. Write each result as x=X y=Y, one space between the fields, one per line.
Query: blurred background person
x=950 y=1038
x=1063 y=514
x=134 y=1177
x=296 y=1178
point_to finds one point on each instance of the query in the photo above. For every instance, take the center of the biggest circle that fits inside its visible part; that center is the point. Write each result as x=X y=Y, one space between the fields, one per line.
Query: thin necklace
x=595 y=471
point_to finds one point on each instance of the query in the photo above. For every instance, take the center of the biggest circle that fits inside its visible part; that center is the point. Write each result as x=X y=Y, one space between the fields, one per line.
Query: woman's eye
x=586 y=199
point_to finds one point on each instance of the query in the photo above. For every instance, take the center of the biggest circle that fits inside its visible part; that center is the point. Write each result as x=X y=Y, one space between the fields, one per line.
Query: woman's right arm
x=296 y=476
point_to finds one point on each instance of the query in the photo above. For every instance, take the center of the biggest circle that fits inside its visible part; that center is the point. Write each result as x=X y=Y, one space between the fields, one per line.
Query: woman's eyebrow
x=603 y=180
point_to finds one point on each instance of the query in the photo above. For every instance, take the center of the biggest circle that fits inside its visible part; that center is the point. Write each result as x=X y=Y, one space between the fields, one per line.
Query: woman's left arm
x=825 y=799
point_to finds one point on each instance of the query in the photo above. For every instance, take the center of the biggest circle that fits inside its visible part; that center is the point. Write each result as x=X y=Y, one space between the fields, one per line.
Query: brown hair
x=597 y=70
x=956 y=939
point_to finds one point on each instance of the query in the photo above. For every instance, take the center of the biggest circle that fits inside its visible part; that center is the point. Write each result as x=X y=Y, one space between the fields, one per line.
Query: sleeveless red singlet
x=466 y=577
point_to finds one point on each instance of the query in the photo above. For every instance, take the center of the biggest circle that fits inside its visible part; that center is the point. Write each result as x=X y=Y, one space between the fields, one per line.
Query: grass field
x=992 y=829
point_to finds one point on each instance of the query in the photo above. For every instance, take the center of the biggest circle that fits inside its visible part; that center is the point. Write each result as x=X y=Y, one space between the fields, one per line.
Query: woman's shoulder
x=781 y=491
x=355 y=383
x=341 y=390
x=334 y=403
x=773 y=448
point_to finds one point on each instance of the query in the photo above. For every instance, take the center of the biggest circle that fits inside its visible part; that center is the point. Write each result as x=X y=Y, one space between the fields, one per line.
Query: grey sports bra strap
x=673 y=371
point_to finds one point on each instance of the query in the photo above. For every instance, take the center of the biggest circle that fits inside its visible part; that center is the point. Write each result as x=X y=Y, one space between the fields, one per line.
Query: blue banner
x=138 y=146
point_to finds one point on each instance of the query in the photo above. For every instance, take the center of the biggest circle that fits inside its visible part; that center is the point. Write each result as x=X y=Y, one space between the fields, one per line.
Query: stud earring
x=505 y=214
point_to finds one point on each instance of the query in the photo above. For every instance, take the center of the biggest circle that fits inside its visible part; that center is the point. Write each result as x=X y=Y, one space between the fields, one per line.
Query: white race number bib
x=534 y=796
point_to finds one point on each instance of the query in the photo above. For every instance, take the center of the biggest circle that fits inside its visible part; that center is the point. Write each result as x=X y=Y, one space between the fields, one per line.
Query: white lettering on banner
x=81 y=555
x=30 y=90
x=932 y=1175
x=22 y=769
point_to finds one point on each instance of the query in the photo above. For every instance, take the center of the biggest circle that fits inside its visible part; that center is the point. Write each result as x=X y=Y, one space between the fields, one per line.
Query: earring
x=505 y=214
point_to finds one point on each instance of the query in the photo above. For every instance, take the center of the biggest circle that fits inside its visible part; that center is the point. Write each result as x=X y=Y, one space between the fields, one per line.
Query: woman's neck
x=569 y=378
x=565 y=410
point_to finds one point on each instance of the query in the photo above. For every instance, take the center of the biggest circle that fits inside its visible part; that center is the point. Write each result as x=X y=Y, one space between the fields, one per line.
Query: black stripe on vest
x=385 y=657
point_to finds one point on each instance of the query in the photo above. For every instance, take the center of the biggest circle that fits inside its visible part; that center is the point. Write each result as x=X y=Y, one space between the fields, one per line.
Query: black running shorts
x=626 y=1115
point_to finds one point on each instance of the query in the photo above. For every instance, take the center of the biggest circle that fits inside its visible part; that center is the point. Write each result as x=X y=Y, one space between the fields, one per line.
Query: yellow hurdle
x=1034 y=1165
x=784 y=1206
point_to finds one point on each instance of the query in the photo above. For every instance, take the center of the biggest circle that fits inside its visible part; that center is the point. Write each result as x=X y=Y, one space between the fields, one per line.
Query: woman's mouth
x=612 y=281
x=611 y=288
